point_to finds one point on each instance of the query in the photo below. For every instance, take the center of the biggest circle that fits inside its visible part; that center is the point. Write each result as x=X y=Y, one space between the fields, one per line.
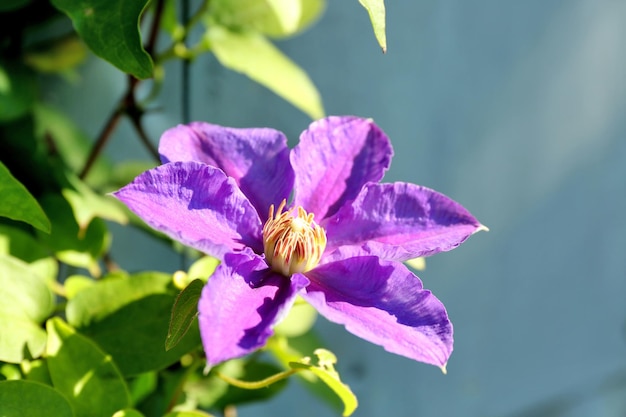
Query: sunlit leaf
x=69 y=243
x=75 y=284
x=28 y=398
x=18 y=204
x=300 y=319
x=111 y=293
x=25 y=302
x=110 y=28
x=81 y=371
x=36 y=370
x=203 y=268
x=184 y=312
x=275 y=18
x=128 y=413
x=417 y=263
x=376 y=10
x=128 y=318
x=22 y=245
x=87 y=204
x=287 y=350
x=253 y=55
x=326 y=372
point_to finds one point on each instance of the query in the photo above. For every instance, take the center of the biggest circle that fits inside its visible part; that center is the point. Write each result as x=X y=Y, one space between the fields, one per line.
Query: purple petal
x=241 y=303
x=197 y=205
x=258 y=159
x=336 y=156
x=384 y=303
x=400 y=221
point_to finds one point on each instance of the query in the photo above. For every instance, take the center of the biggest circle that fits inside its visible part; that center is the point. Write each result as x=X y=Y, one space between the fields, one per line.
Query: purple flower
x=339 y=243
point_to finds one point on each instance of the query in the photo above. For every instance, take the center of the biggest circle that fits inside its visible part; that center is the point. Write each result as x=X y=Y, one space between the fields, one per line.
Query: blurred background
x=515 y=109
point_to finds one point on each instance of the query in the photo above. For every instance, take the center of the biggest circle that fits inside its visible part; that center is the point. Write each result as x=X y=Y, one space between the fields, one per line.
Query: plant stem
x=104 y=136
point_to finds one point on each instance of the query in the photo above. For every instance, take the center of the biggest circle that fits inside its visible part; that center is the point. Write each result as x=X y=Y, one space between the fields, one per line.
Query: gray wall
x=517 y=110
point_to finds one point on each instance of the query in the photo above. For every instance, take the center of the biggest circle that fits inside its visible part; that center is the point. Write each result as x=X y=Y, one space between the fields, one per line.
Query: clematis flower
x=314 y=222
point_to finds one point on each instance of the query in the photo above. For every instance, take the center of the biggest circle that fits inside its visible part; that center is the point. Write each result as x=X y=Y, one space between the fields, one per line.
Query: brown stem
x=143 y=137
x=104 y=136
x=154 y=30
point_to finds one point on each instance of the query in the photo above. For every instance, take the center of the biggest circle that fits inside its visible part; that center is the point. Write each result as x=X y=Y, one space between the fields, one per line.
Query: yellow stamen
x=292 y=243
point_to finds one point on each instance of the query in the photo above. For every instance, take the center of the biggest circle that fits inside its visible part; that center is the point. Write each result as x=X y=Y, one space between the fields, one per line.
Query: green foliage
x=325 y=371
x=184 y=313
x=275 y=18
x=83 y=373
x=110 y=28
x=124 y=315
x=267 y=66
x=25 y=302
x=27 y=398
x=18 y=203
x=18 y=90
x=376 y=10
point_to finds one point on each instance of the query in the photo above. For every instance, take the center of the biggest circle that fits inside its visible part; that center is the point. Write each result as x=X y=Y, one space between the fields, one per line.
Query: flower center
x=292 y=243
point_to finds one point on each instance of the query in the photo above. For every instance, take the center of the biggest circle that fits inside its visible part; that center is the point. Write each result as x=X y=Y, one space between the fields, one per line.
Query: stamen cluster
x=293 y=243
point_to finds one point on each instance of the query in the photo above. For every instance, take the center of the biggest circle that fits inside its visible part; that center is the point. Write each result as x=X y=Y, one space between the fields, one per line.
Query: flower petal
x=384 y=303
x=400 y=221
x=336 y=156
x=258 y=159
x=241 y=303
x=197 y=205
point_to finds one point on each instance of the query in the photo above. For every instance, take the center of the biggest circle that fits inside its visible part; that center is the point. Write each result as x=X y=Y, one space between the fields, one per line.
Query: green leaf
x=18 y=204
x=127 y=317
x=110 y=28
x=299 y=320
x=287 y=350
x=75 y=284
x=87 y=204
x=22 y=245
x=8 y=5
x=253 y=55
x=418 y=264
x=168 y=388
x=376 y=10
x=18 y=90
x=128 y=413
x=275 y=18
x=112 y=293
x=325 y=371
x=70 y=244
x=203 y=268
x=36 y=370
x=142 y=386
x=25 y=302
x=27 y=398
x=135 y=335
x=184 y=312
x=83 y=373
